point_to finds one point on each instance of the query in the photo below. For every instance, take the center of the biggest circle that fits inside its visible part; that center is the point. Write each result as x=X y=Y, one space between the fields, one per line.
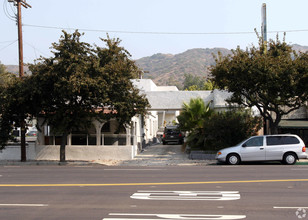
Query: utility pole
x=264 y=42
x=264 y=27
x=18 y=4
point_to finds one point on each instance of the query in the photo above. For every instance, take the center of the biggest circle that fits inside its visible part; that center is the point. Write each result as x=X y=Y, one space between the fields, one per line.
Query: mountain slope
x=167 y=69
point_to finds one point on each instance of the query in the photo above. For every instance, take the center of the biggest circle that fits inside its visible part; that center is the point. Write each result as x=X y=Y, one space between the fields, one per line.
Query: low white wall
x=85 y=153
x=12 y=152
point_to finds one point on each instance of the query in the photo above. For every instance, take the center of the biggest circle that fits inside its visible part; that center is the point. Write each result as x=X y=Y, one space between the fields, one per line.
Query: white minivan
x=285 y=147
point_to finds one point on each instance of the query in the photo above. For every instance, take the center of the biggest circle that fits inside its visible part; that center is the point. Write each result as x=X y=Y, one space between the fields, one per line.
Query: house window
x=84 y=137
x=106 y=127
x=79 y=138
x=51 y=138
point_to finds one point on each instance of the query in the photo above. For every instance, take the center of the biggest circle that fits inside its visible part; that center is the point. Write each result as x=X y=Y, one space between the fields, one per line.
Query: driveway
x=162 y=155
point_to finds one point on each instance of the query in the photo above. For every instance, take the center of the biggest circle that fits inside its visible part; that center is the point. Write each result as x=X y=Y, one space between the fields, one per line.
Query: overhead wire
x=160 y=33
x=35 y=49
x=7 y=13
x=8 y=45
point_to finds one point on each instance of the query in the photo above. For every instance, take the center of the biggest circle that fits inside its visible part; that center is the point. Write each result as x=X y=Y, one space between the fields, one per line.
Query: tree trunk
x=274 y=129
x=274 y=124
x=62 y=147
x=23 y=150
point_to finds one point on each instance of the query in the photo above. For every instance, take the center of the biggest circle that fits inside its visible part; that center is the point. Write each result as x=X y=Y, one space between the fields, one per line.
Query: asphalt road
x=97 y=192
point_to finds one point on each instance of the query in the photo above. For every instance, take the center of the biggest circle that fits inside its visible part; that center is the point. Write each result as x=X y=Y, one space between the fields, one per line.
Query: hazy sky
x=147 y=27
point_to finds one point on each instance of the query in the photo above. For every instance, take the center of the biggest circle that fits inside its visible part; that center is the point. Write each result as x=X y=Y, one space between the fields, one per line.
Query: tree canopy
x=273 y=79
x=5 y=76
x=192 y=83
x=79 y=83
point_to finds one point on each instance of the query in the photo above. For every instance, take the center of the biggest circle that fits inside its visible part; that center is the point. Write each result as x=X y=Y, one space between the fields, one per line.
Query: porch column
x=163 y=119
x=69 y=139
x=98 y=128
x=128 y=134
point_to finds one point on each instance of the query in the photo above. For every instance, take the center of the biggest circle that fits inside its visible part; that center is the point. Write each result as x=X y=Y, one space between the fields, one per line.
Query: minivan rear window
x=281 y=140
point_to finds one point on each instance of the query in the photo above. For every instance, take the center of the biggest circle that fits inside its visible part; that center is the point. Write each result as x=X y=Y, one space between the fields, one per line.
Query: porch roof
x=294 y=124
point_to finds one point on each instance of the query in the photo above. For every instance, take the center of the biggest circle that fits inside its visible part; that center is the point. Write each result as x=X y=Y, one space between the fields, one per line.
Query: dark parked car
x=32 y=133
x=172 y=134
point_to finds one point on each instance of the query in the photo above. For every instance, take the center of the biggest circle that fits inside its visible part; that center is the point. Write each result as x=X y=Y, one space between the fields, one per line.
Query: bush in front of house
x=210 y=131
x=226 y=129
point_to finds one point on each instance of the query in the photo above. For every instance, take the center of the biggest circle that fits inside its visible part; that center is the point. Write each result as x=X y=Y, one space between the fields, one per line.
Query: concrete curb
x=42 y=163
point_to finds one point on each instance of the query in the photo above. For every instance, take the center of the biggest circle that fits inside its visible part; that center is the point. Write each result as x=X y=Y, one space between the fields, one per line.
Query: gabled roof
x=173 y=100
x=149 y=85
x=163 y=98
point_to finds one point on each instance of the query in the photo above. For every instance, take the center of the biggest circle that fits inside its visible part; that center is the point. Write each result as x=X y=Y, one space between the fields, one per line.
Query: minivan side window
x=253 y=142
x=281 y=140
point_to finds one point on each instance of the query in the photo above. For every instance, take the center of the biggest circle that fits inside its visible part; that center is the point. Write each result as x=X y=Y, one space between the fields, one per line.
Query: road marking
x=132 y=169
x=277 y=207
x=148 y=184
x=187 y=195
x=25 y=205
x=173 y=216
x=299 y=169
x=83 y=166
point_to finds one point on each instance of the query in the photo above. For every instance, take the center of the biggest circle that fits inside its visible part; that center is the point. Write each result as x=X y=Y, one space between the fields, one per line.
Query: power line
x=137 y=32
x=12 y=42
x=161 y=33
x=35 y=49
x=7 y=13
x=8 y=41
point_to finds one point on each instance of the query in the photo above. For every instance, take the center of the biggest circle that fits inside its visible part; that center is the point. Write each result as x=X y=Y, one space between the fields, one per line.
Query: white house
x=167 y=101
x=100 y=142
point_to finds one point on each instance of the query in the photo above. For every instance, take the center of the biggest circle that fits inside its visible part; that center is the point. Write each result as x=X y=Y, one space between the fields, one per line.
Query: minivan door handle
x=261 y=148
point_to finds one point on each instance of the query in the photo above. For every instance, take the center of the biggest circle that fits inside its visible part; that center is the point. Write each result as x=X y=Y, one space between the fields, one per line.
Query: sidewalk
x=155 y=155
x=164 y=155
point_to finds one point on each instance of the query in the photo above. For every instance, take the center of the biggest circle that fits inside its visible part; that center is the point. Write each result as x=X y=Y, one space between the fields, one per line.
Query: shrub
x=225 y=129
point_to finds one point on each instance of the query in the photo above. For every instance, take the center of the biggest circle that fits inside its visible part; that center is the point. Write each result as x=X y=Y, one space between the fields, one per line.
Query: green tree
x=192 y=82
x=209 y=85
x=2 y=68
x=271 y=81
x=79 y=82
x=192 y=118
x=5 y=76
x=14 y=107
x=225 y=129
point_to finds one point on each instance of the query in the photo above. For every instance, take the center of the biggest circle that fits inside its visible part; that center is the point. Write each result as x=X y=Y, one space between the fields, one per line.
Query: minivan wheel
x=233 y=159
x=289 y=158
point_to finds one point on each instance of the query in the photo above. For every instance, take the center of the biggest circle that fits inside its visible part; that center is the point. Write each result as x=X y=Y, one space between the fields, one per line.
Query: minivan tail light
x=180 y=135
x=164 y=135
x=304 y=149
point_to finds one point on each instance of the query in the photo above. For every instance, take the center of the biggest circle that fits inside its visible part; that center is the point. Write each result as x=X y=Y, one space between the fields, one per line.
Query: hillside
x=15 y=69
x=167 y=69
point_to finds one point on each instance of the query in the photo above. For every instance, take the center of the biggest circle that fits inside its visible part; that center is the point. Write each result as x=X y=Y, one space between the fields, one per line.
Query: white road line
x=187 y=195
x=277 y=207
x=174 y=216
x=25 y=205
x=299 y=169
x=83 y=166
x=133 y=169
